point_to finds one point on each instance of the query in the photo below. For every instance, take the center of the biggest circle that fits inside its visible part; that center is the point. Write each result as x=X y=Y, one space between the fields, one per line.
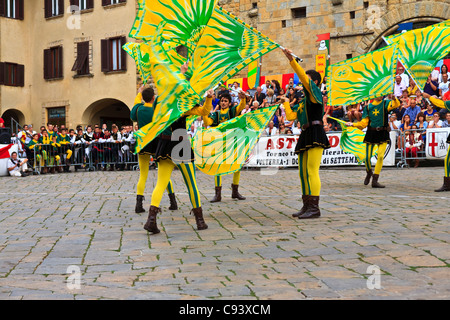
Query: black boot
x=198 y=214
x=368 y=176
x=218 y=196
x=375 y=183
x=303 y=209
x=445 y=186
x=151 y=225
x=173 y=202
x=313 y=211
x=139 y=206
x=235 y=193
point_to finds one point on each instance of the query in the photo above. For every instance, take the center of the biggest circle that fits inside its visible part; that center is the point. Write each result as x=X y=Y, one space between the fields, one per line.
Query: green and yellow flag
x=176 y=96
x=396 y=37
x=226 y=46
x=352 y=141
x=224 y=149
x=420 y=50
x=362 y=78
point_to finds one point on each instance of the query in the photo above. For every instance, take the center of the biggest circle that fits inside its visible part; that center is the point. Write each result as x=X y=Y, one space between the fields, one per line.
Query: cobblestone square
x=51 y=225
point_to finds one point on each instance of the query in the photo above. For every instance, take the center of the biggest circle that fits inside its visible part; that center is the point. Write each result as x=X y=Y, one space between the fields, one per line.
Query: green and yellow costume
x=446 y=186
x=142 y=113
x=375 y=118
x=213 y=120
x=312 y=141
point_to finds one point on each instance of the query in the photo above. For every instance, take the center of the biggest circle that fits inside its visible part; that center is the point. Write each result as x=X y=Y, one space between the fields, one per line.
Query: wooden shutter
x=20 y=75
x=47 y=63
x=82 y=56
x=60 y=7
x=19 y=9
x=75 y=3
x=106 y=2
x=123 y=54
x=2 y=8
x=106 y=55
x=48 y=8
x=89 y=4
x=2 y=71
x=60 y=62
x=122 y=1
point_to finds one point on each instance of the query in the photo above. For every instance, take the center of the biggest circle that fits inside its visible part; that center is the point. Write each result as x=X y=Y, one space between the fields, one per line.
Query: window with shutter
x=112 y=2
x=54 y=8
x=12 y=74
x=53 y=63
x=2 y=73
x=81 y=65
x=114 y=58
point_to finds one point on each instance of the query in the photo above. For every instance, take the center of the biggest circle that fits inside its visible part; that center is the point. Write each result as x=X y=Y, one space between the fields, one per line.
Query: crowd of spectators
x=55 y=148
x=415 y=115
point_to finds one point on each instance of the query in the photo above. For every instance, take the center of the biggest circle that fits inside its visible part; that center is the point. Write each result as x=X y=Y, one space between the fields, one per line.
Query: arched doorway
x=109 y=111
x=15 y=114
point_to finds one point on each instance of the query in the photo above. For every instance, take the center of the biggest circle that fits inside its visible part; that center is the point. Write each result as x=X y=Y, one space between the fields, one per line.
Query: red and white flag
x=5 y=152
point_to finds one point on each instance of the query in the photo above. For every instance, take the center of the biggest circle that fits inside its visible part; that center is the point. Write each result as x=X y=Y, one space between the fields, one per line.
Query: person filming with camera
x=17 y=167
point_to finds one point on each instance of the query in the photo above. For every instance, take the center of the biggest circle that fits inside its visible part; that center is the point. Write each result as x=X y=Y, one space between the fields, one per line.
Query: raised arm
x=305 y=80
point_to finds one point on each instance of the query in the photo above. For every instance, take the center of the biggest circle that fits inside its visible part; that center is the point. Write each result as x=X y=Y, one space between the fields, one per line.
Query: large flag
x=226 y=46
x=352 y=141
x=362 y=78
x=395 y=37
x=175 y=95
x=224 y=149
x=420 y=50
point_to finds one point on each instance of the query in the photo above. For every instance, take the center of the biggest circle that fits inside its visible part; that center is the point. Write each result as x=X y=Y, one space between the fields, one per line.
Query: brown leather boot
x=235 y=193
x=303 y=209
x=368 y=176
x=218 y=196
x=313 y=211
x=52 y=170
x=445 y=186
x=375 y=183
x=151 y=225
x=44 y=170
x=139 y=204
x=198 y=214
x=173 y=202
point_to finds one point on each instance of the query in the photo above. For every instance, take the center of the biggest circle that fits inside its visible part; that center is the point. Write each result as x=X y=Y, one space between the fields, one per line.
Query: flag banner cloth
x=352 y=141
x=176 y=96
x=224 y=149
x=420 y=50
x=362 y=78
x=186 y=20
x=223 y=47
x=395 y=37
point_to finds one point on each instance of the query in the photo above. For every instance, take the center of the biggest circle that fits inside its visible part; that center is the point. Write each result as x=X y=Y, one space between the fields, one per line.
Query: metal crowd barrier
x=411 y=146
x=89 y=157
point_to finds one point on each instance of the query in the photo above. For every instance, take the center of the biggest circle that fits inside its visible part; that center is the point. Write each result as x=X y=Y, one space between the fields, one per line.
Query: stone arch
x=106 y=110
x=424 y=11
x=15 y=114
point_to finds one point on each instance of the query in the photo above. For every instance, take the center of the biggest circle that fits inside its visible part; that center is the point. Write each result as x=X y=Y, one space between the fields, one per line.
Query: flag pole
x=298 y=59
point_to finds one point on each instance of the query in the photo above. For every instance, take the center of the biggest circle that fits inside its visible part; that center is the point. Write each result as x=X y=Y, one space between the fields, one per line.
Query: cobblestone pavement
x=253 y=249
